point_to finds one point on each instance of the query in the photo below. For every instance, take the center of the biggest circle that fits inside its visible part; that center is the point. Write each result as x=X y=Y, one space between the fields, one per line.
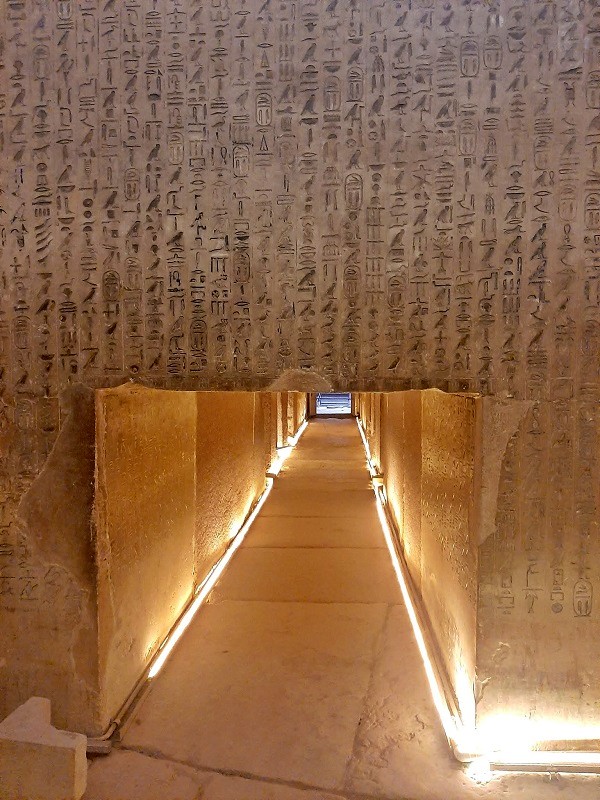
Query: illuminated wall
x=144 y=522
x=427 y=447
x=176 y=473
x=496 y=503
x=48 y=603
x=233 y=452
x=539 y=615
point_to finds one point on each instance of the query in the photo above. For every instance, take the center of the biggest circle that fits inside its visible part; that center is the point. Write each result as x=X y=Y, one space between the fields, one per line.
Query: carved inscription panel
x=393 y=193
x=538 y=645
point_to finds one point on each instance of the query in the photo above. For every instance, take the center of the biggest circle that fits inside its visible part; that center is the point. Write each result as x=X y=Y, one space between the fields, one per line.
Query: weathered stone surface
x=37 y=761
x=175 y=475
x=507 y=560
x=383 y=196
x=427 y=447
x=145 y=519
x=133 y=776
x=449 y=524
x=48 y=618
x=298 y=196
x=539 y=618
x=178 y=473
x=232 y=457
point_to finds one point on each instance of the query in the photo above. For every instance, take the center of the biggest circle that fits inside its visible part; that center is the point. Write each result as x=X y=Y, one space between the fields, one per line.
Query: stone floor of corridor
x=300 y=679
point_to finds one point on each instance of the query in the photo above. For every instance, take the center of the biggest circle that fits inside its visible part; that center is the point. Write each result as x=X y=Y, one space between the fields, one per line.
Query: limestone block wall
x=496 y=502
x=539 y=556
x=146 y=487
x=269 y=402
x=48 y=605
x=401 y=464
x=232 y=457
x=450 y=449
x=427 y=446
x=282 y=419
x=178 y=472
x=138 y=499
x=300 y=410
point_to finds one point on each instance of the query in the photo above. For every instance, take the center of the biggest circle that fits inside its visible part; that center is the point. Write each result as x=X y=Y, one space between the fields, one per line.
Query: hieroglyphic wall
x=539 y=612
x=209 y=193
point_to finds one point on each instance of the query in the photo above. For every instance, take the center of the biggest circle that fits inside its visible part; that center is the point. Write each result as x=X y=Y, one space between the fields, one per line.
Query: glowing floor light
x=373 y=471
x=504 y=750
x=293 y=440
x=279 y=461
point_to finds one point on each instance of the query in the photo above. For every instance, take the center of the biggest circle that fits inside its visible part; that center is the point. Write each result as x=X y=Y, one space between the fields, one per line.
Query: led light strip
x=466 y=743
x=204 y=589
x=374 y=472
x=447 y=719
x=542 y=761
x=279 y=461
x=283 y=452
x=293 y=440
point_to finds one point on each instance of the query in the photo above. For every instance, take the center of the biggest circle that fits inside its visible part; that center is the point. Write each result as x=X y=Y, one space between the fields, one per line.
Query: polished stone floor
x=300 y=679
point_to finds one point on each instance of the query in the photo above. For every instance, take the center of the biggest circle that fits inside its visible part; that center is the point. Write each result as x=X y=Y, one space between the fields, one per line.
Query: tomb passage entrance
x=334 y=404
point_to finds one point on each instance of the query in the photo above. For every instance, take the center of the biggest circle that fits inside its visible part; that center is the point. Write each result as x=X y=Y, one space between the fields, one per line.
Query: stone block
x=37 y=761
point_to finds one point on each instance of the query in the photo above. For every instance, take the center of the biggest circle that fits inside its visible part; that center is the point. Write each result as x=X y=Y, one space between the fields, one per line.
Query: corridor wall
x=483 y=499
x=146 y=487
x=152 y=486
x=178 y=473
x=426 y=445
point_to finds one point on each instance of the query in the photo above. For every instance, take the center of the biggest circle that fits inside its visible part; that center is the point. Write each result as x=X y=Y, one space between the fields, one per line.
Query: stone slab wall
x=449 y=525
x=145 y=507
x=138 y=498
x=232 y=458
x=429 y=447
x=401 y=465
x=178 y=472
x=300 y=411
x=48 y=613
x=538 y=648
x=498 y=516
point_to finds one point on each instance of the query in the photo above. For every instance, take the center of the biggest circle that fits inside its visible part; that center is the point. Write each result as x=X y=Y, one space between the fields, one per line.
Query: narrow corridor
x=300 y=679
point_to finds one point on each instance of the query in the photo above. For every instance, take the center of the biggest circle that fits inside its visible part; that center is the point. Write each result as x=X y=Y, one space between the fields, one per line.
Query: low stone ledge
x=37 y=761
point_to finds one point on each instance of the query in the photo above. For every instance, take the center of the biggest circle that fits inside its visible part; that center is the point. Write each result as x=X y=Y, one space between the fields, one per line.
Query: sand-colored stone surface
x=37 y=761
x=129 y=775
x=312 y=532
x=133 y=776
x=288 y=699
x=145 y=525
x=315 y=575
